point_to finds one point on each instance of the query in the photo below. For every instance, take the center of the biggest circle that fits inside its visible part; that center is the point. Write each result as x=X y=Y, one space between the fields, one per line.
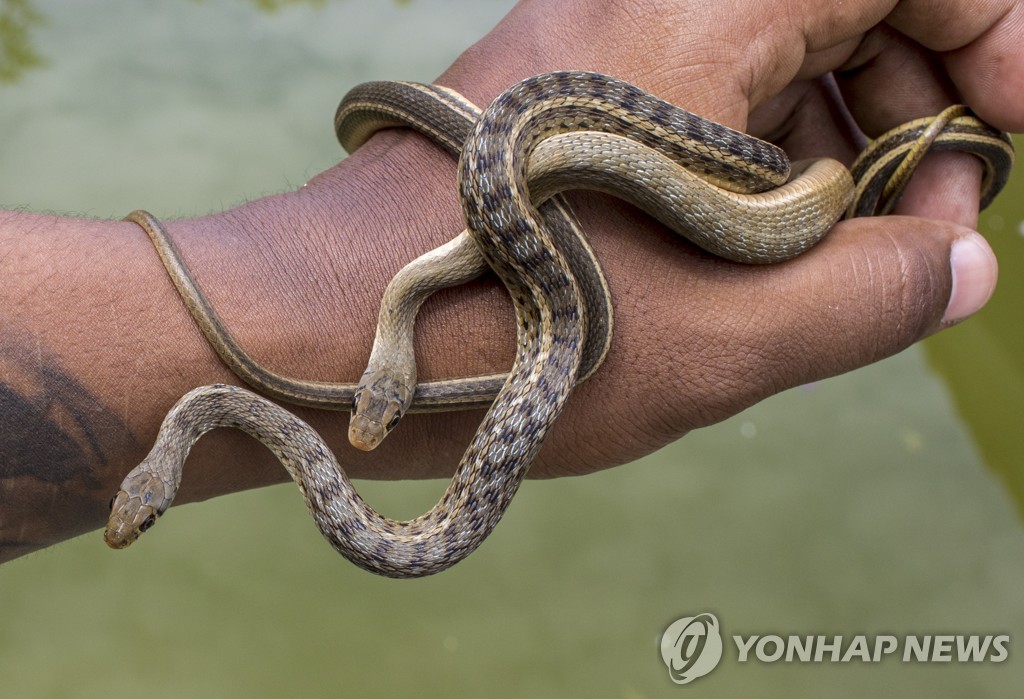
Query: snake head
x=134 y=509
x=378 y=405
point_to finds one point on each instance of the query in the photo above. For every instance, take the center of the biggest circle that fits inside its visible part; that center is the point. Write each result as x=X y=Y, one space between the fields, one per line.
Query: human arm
x=98 y=346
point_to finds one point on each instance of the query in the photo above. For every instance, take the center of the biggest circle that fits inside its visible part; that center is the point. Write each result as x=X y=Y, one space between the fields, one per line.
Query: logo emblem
x=691 y=647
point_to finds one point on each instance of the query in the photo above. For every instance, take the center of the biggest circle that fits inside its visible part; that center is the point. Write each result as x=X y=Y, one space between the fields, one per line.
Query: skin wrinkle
x=917 y=288
x=303 y=335
x=900 y=299
x=793 y=104
x=829 y=60
x=496 y=333
x=639 y=433
x=904 y=284
x=977 y=98
x=891 y=313
x=856 y=272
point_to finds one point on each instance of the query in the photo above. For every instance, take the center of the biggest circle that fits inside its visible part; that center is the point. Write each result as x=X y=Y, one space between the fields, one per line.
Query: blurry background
x=885 y=501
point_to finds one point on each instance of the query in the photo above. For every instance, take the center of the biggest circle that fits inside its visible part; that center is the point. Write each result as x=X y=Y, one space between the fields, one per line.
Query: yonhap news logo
x=938 y=648
x=693 y=646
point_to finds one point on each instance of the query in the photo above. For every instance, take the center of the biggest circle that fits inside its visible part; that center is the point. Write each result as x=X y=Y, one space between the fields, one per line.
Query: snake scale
x=543 y=135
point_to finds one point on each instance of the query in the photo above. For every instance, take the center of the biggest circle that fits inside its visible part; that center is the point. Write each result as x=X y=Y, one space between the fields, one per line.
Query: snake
x=543 y=135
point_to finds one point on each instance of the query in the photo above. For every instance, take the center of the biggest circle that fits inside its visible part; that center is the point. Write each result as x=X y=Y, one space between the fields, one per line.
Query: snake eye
x=111 y=505
x=394 y=422
x=355 y=401
x=147 y=523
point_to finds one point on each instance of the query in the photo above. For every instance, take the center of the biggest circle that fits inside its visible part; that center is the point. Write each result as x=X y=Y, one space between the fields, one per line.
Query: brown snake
x=504 y=172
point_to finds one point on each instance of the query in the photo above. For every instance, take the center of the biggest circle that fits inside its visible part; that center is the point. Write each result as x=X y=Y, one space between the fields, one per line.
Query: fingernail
x=975 y=271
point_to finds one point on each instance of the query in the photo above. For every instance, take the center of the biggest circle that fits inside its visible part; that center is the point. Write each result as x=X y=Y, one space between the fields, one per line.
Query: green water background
x=884 y=501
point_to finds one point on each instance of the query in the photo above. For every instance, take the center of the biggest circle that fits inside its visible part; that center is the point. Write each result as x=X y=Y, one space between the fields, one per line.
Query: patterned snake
x=544 y=135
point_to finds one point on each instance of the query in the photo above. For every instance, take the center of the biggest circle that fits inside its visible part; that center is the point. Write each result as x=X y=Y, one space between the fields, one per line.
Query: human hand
x=699 y=339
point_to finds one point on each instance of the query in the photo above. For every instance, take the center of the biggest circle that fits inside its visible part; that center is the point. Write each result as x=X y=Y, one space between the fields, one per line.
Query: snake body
x=543 y=135
x=719 y=204
x=389 y=388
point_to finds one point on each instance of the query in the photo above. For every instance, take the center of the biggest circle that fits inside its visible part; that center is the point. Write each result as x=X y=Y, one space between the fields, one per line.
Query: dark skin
x=96 y=345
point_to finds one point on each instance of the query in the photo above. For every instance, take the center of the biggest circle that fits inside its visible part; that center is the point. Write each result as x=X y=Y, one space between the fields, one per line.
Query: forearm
x=97 y=345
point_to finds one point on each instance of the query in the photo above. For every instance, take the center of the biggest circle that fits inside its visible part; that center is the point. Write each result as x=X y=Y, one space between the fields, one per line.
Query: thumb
x=703 y=339
x=876 y=286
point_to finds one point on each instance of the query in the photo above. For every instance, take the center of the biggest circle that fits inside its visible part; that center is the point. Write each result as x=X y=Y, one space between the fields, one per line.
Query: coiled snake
x=546 y=134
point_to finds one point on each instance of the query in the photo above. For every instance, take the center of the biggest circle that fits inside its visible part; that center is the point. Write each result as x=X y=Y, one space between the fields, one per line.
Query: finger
x=871 y=289
x=889 y=282
x=980 y=47
x=978 y=41
x=891 y=80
